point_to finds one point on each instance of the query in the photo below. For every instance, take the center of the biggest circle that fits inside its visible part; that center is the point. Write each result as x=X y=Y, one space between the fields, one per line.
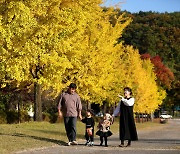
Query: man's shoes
x=74 y=143
x=69 y=143
x=106 y=145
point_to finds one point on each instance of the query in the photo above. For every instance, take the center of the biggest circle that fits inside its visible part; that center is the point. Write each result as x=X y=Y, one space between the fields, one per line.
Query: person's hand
x=60 y=114
x=80 y=116
x=120 y=96
x=112 y=119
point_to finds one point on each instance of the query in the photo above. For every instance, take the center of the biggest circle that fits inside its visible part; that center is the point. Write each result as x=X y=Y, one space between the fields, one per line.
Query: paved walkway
x=161 y=140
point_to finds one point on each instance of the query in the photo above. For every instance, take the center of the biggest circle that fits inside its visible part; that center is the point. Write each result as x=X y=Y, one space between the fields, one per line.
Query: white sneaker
x=69 y=143
x=74 y=143
x=91 y=143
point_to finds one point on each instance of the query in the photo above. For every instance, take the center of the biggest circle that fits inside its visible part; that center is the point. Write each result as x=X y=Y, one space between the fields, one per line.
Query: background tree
x=138 y=75
x=164 y=75
x=158 y=34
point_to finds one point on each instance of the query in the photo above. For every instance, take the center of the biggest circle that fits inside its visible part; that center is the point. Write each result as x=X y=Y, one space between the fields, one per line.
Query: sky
x=146 y=5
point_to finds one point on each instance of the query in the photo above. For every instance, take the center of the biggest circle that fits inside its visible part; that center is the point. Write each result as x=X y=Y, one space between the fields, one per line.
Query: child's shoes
x=87 y=143
x=91 y=143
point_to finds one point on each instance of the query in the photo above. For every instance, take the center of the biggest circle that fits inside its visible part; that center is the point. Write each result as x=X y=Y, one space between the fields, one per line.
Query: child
x=89 y=134
x=104 y=128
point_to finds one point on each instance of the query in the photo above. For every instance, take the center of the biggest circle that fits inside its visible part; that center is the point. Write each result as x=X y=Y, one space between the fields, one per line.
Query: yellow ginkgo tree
x=50 y=43
x=39 y=41
x=140 y=76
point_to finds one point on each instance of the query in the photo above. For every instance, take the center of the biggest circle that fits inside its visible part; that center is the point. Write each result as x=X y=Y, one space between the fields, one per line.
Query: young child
x=89 y=134
x=104 y=128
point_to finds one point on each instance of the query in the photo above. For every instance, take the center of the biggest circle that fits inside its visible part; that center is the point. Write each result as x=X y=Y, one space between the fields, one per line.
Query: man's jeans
x=70 y=126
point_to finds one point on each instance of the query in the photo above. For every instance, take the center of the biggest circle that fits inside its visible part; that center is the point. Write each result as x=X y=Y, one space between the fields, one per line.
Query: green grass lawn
x=17 y=137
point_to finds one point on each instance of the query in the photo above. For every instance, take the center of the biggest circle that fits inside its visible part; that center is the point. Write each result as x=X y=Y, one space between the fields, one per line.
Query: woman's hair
x=128 y=89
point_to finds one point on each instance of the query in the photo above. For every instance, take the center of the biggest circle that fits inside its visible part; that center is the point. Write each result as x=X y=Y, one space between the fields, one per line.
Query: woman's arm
x=117 y=110
x=128 y=102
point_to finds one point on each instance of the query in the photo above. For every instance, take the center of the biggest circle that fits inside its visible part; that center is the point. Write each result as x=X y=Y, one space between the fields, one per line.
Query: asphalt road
x=160 y=140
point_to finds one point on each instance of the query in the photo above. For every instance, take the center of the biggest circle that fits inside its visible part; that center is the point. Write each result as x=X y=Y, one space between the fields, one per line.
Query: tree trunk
x=139 y=118
x=146 y=117
x=19 y=110
x=142 y=116
x=152 y=116
x=37 y=102
x=173 y=109
x=104 y=107
x=88 y=105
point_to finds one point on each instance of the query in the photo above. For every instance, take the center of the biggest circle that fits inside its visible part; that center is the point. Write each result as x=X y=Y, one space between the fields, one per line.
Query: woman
x=127 y=124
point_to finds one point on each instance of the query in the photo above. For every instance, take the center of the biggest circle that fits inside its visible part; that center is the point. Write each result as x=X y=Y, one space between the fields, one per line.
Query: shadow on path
x=59 y=142
x=49 y=132
x=79 y=136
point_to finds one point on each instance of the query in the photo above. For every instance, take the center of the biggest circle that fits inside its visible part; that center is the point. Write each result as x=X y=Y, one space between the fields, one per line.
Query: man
x=70 y=108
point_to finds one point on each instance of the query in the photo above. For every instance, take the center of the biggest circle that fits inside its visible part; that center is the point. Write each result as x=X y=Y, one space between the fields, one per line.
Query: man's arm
x=80 y=115
x=59 y=107
x=59 y=113
x=79 y=107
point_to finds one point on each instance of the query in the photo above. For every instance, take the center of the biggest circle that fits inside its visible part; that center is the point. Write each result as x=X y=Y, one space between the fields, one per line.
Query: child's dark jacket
x=89 y=122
